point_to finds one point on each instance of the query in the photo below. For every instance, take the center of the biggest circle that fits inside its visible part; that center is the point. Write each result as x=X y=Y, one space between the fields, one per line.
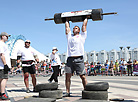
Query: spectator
x=116 y=67
x=47 y=66
x=124 y=67
x=135 y=66
x=129 y=67
x=44 y=65
x=95 y=67
x=99 y=67
x=92 y=72
x=106 y=67
x=61 y=69
x=85 y=64
x=88 y=68
x=111 y=68
x=12 y=69
x=120 y=66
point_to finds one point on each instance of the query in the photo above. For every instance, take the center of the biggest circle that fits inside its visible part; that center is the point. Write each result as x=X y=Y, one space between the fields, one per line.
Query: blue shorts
x=106 y=69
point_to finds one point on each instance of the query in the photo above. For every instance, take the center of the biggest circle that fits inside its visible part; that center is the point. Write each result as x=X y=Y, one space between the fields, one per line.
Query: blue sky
x=26 y=17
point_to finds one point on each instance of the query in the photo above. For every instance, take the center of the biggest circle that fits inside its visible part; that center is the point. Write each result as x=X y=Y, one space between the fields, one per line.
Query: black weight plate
x=96 y=14
x=58 y=19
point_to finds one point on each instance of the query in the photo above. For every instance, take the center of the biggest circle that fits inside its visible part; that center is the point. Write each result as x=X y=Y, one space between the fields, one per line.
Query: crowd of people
x=120 y=68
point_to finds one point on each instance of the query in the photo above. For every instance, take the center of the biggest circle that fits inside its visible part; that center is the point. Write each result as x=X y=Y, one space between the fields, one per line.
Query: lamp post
x=121 y=52
x=128 y=47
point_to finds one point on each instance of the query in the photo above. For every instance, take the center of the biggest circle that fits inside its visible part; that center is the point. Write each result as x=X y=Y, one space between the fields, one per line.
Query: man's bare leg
x=84 y=81
x=3 y=85
x=68 y=82
x=26 y=76
x=33 y=80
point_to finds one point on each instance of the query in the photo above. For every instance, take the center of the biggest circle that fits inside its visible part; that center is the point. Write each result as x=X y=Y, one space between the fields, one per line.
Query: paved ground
x=120 y=87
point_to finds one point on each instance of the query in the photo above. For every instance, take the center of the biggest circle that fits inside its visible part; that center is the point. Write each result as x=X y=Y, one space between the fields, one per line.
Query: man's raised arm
x=67 y=27
x=84 y=25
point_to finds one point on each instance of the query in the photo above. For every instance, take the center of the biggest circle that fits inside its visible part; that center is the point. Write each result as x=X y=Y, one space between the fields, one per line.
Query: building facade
x=103 y=55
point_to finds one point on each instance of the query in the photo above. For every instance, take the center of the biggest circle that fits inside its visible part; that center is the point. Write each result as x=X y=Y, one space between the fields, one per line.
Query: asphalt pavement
x=121 y=87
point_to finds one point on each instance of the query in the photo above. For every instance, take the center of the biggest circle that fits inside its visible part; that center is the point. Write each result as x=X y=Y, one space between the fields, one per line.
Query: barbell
x=79 y=16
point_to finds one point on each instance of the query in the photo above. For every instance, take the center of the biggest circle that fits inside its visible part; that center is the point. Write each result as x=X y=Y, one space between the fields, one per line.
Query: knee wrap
x=26 y=77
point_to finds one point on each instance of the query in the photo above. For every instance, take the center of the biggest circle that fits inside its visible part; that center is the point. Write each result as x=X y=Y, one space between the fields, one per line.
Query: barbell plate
x=97 y=14
x=58 y=19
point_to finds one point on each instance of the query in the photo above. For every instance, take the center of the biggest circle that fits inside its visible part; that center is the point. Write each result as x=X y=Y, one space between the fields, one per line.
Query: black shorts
x=2 y=75
x=30 y=69
x=75 y=64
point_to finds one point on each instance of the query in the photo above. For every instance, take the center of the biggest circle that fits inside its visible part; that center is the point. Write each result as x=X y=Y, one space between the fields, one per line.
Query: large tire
x=88 y=100
x=46 y=86
x=95 y=95
x=58 y=19
x=97 y=14
x=98 y=86
x=51 y=94
x=37 y=100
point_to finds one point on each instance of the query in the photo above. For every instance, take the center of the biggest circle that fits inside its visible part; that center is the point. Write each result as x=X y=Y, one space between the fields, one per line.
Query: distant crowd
x=120 y=68
x=42 y=68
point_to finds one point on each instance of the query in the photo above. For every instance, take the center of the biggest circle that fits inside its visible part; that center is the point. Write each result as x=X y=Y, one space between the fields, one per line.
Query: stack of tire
x=96 y=91
x=49 y=90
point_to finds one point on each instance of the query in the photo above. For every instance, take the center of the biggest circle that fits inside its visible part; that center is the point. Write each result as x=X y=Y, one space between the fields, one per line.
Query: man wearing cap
x=75 y=54
x=55 y=64
x=5 y=64
x=28 y=57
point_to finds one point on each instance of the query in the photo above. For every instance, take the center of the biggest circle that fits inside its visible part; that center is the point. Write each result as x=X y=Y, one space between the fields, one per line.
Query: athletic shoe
x=4 y=97
x=34 y=90
x=66 y=95
x=27 y=90
x=49 y=81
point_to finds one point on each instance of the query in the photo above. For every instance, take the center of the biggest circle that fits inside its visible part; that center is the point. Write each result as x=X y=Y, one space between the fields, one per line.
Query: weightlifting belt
x=27 y=62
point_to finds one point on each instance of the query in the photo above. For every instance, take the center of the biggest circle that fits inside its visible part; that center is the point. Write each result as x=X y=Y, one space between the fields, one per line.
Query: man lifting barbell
x=75 y=52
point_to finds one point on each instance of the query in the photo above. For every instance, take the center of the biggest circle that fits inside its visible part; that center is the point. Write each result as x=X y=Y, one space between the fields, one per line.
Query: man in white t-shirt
x=124 y=67
x=75 y=54
x=28 y=57
x=5 y=64
x=55 y=64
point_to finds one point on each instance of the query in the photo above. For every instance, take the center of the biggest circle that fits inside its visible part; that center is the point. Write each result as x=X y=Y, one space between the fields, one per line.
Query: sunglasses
x=27 y=42
x=75 y=28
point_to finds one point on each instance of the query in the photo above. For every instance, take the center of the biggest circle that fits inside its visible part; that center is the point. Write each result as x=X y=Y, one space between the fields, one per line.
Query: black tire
x=57 y=94
x=96 y=14
x=88 y=100
x=95 y=95
x=98 y=86
x=116 y=99
x=58 y=19
x=37 y=100
x=46 y=86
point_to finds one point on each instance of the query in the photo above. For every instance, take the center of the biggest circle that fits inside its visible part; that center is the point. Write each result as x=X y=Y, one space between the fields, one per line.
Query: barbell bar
x=79 y=16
